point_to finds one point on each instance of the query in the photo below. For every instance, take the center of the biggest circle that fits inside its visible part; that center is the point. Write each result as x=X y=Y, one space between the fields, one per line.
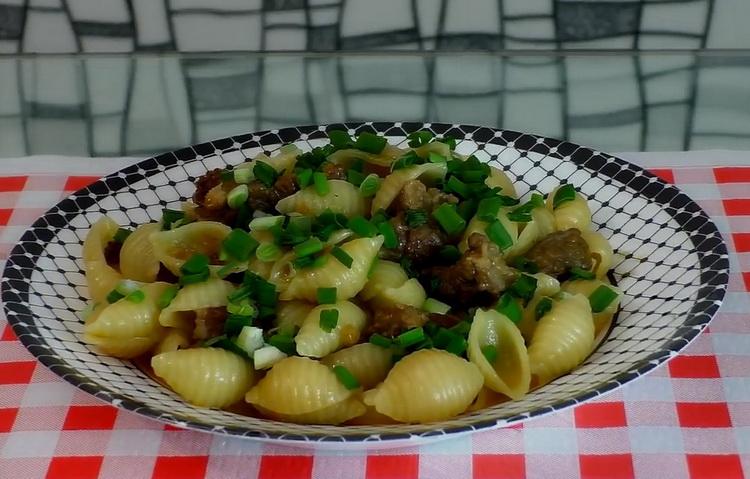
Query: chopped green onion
x=304 y=262
x=329 y=319
x=226 y=270
x=237 y=196
x=225 y=343
x=489 y=352
x=239 y=294
x=389 y=235
x=265 y=222
x=432 y=305
x=489 y=208
x=448 y=140
x=443 y=337
x=462 y=328
x=265 y=292
x=454 y=185
x=320 y=181
x=167 y=296
x=235 y=322
x=268 y=252
x=309 y=247
x=114 y=296
x=283 y=342
x=226 y=175
x=430 y=328
x=340 y=139
x=127 y=286
x=473 y=176
x=524 y=287
x=243 y=308
x=304 y=177
x=563 y=194
x=370 y=185
x=522 y=214
x=342 y=256
x=419 y=138
x=449 y=219
x=416 y=218
x=195 y=277
x=436 y=158
x=373 y=265
x=405 y=161
x=355 y=177
x=508 y=306
x=136 y=296
x=370 y=143
x=542 y=307
x=319 y=261
x=121 y=235
x=326 y=295
x=497 y=233
x=426 y=344
x=380 y=340
x=601 y=298
x=525 y=265
x=379 y=217
x=243 y=176
x=265 y=173
x=456 y=346
x=362 y=227
x=168 y=217
x=467 y=209
x=581 y=273
x=195 y=264
x=346 y=377
x=450 y=253
x=410 y=337
x=239 y=245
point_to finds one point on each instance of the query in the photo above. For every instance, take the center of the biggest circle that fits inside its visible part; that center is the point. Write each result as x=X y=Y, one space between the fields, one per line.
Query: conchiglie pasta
x=176 y=246
x=261 y=268
x=314 y=342
x=427 y=385
x=479 y=226
x=334 y=414
x=563 y=338
x=389 y=284
x=542 y=223
x=100 y=277
x=602 y=319
x=601 y=252
x=172 y=340
x=570 y=214
x=546 y=286
x=137 y=258
x=126 y=329
x=367 y=362
x=297 y=385
x=509 y=373
x=347 y=156
x=498 y=179
x=281 y=161
x=207 y=377
x=487 y=398
x=291 y=314
x=342 y=197
x=207 y=294
x=347 y=281
x=394 y=183
x=411 y=293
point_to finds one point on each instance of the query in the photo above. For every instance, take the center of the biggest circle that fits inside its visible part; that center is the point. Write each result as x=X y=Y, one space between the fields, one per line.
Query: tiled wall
x=326 y=25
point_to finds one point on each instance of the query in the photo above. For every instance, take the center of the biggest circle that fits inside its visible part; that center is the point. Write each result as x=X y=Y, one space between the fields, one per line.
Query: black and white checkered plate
x=671 y=264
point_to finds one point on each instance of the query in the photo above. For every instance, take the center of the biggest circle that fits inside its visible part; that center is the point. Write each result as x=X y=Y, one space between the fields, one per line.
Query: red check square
x=13 y=183
x=741 y=242
x=17 y=372
x=8 y=334
x=694 y=367
x=602 y=414
x=80 y=467
x=665 y=174
x=708 y=466
x=746 y=278
x=606 y=466
x=5 y=214
x=75 y=183
x=499 y=466
x=732 y=174
x=7 y=418
x=90 y=417
x=285 y=467
x=737 y=207
x=706 y=414
x=180 y=467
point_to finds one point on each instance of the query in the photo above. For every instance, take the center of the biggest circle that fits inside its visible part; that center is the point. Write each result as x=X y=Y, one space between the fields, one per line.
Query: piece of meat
x=418 y=244
x=477 y=278
x=204 y=184
x=416 y=196
x=392 y=320
x=209 y=322
x=447 y=320
x=210 y=198
x=333 y=172
x=286 y=184
x=557 y=252
x=263 y=198
x=112 y=253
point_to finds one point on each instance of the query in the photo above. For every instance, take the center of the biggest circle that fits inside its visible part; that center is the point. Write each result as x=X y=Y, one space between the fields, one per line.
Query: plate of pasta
x=368 y=284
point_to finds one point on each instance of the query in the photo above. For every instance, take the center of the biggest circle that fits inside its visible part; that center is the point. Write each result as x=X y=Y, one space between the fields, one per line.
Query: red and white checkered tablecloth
x=689 y=419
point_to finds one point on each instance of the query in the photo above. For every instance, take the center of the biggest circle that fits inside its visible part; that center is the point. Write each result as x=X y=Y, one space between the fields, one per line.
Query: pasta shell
x=291 y=314
x=172 y=340
x=347 y=157
x=368 y=363
x=498 y=179
x=176 y=246
x=571 y=214
x=208 y=294
x=126 y=329
x=509 y=373
x=347 y=281
x=261 y=268
x=394 y=183
x=411 y=293
x=314 y=342
x=385 y=274
x=334 y=414
x=603 y=319
x=487 y=398
x=427 y=385
x=137 y=259
x=207 y=377
x=283 y=160
x=478 y=226
x=546 y=286
x=100 y=277
x=342 y=197
x=297 y=385
x=563 y=338
x=542 y=223
x=601 y=252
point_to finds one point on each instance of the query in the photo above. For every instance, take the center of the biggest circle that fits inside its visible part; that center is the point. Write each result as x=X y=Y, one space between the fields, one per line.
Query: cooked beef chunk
x=263 y=198
x=416 y=196
x=112 y=253
x=209 y=322
x=210 y=198
x=477 y=278
x=557 y=252
x=333 y=172
x=417 y=244
x=447 y=320
x=204 y=184
x=392 y=320
x=286 y=184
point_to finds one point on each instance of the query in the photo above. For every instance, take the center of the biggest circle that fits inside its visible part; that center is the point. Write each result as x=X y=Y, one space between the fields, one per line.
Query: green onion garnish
x=195 y=264
x=283 y=343
x=268 y=252
x=369 y=185
x=467 y=208
x=237 y=196
x=326 y=295
x=226 y=175
x=448 y=140
x=121 y=235
x=380 y=340
x=265 y=292
x=450 y=253
x=226 y=270
x=462 y=328
x=235 y=322
x=389 y=235
x=329 y=319
x=195 y=277
x=265 y=222
x=243 y=176
x=563 y=194
x=167 y=296
x=340 y=139
x=432 y=305
x=489 y=352
x=410 y=337
x=136 y=296
x=522 y=214
x=525 y=265
x=362 y=227
x=405 y=161
x=449 y=219
x=601 y=298
x=320 y=181
x=342 y=256
x=171 y=216
x=346 y=377
x=542 y=307
x=457 y=346
x=419 y=138
x=442 y=338
x=488 y=208
x=416 y=218
x=304 y=262
x=239 y=294
x=243 y=308
x=454 y=185
x=355 y=177
x=436 y=158
x=265 y=173
x=114 y=296
x=239 y=245
x=524 y=287
x=379 y=217
x=304 y=177
x=309 y=247
x=508 y=306
x=370 y=143
x=497 y=233
x=319 y=261
x=581 y=273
